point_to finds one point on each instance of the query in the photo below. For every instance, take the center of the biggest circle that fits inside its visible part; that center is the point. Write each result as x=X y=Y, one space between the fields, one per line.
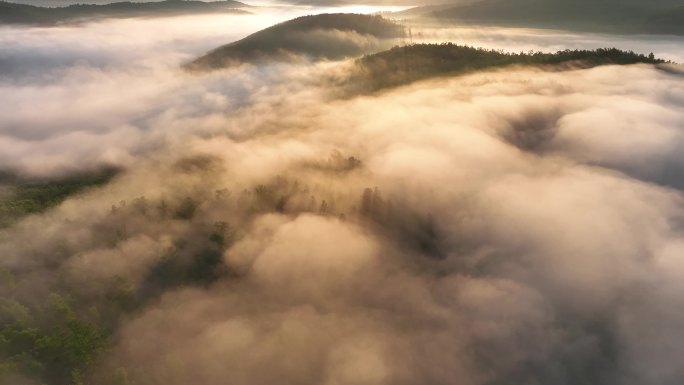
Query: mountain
x=12 y=13
x=670 y=21
x=325 y=36
x=628 y=16
x=421 y=10
x=403 y=65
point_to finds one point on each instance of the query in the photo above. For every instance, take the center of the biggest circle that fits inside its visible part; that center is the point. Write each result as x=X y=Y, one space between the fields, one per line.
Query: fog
x=66 y=82
x=61 y=3
x=521 y=39
x=511 y=226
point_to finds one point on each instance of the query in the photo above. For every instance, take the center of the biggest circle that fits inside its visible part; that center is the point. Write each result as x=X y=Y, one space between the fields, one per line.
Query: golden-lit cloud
x=509 y=226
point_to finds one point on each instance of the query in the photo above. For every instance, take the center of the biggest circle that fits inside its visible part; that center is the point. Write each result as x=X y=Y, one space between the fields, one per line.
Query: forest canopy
x=406 y=64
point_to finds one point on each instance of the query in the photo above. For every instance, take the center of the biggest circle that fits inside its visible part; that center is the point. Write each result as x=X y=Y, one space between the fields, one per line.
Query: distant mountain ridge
x=323 y=36
x=13 y=13
x=639 y=17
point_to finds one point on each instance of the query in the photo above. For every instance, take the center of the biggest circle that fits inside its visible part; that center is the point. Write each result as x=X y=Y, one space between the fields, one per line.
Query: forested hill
x=20 y=197
x=329 y=36
x=12 y=13
x=613 y=16
x=403 y=65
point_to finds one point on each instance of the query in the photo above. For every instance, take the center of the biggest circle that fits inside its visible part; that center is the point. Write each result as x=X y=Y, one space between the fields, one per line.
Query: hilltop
x=403 y=65
x=325 y=36
x=12 y=13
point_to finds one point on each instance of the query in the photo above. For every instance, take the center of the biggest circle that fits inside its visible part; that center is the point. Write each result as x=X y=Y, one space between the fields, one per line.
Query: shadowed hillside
x=655 y=17
x=403 y=65
x=326 y=36
x=11 y=13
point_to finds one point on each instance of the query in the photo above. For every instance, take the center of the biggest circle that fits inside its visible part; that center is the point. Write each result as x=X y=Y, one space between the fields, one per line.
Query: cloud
x=513 y=226
x=547 y=40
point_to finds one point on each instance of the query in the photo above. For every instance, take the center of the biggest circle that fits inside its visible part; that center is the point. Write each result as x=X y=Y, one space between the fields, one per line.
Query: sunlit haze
x=321 y=192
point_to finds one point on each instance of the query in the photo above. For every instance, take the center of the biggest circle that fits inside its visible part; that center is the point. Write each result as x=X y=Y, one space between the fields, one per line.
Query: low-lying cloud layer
x=515 y=226
x=521 y=39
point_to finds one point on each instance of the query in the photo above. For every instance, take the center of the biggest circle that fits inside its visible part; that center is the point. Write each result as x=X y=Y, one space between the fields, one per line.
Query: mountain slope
x=12 y=13
x=325 y=36
x=656 y=17
x=403 y=65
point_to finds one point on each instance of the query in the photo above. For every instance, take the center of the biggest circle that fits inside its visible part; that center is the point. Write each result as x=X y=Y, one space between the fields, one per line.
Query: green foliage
x=403 y=65
x=122 y=297
x=121 y=377
x=28 y=197
x=12 y=312
x=60 y=306
x=69 y=349
x=58 y=353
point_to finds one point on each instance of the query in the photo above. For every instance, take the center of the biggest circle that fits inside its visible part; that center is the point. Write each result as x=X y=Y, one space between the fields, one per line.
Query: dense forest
x=11 y=13
x=61 y=332
x=403 y=65
x=330 y=36
x=19 y=197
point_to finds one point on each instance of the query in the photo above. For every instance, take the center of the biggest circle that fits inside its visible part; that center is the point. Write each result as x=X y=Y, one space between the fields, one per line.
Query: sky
x=517 y=225
x=61 y=3
x=383 y=2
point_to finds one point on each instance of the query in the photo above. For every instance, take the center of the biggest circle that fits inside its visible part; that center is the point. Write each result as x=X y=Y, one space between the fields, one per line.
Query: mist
x=519 y=225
